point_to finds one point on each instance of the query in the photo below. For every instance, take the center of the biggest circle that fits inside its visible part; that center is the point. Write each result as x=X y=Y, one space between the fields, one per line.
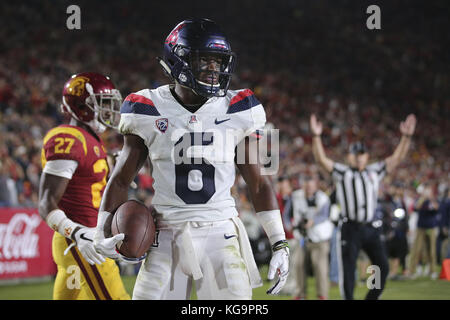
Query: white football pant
x=207 y=253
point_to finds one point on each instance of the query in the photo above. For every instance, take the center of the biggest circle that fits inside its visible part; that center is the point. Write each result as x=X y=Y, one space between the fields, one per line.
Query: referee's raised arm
x=317 y=147
x=407 y=129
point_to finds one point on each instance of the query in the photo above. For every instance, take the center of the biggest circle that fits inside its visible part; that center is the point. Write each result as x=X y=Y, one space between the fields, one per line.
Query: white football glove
x=273 y=226
x=108 y=246
x=84 y=242
x=278 y=264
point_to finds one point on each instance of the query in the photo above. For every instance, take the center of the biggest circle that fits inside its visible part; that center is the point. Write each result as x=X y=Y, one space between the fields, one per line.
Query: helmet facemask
x=106 y=107
x=212 y=71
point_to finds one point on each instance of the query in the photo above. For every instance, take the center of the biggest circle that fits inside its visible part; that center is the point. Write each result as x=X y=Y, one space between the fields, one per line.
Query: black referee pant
x=353 y=237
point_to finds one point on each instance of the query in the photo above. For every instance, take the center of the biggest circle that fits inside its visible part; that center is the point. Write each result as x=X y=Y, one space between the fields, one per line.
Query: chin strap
x=169 y=73
x=96 y=125
x=165 y=66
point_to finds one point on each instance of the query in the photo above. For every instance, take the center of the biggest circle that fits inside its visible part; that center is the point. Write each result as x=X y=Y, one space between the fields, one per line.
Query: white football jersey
x=192 y=154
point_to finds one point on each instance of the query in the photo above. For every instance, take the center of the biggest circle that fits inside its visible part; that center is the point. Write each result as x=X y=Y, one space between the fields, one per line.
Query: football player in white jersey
x=191 y=130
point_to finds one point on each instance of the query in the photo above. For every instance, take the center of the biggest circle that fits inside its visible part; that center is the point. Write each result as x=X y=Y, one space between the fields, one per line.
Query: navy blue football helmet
x=187 y=50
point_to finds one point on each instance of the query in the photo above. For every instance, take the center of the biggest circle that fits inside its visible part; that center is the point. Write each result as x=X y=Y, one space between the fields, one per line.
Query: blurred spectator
x=444 y=213
x=334 y=218
x=310 y=210
x=427 y=231
x=395 y=228
x=283 y=193
x=8 y=192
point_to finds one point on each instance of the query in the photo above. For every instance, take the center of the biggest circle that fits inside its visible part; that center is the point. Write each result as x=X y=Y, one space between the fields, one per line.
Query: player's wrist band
x=58 y=221
x=272 y=225
x=101 y=220
x=102 y=217
x=280 y=245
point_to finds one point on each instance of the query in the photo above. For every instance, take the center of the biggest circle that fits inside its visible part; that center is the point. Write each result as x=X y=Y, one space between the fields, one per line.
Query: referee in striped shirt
x=357 y=186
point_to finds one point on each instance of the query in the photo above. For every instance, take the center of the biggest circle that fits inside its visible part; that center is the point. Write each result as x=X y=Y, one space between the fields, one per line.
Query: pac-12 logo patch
x=162 y=124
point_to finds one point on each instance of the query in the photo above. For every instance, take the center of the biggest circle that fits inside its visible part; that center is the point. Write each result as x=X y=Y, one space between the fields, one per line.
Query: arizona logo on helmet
x=173 y=36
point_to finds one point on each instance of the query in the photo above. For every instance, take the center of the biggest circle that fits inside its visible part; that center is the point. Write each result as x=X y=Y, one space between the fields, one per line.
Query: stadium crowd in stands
x=299 y=57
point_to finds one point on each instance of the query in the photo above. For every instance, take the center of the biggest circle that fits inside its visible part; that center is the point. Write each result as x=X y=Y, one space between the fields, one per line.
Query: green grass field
x=419 y=289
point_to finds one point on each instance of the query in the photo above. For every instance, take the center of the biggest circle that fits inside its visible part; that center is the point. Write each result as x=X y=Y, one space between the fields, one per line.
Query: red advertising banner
x=25 y=244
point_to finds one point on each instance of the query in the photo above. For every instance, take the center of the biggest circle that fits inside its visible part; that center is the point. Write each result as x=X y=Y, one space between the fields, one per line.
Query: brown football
x=135 y=220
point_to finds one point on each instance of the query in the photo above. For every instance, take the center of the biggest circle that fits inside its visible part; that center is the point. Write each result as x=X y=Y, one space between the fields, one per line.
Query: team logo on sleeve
x=162 y=124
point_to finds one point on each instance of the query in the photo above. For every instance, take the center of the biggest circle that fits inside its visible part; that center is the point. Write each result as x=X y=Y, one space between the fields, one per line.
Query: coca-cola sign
x=25 y=244
x=18 y=237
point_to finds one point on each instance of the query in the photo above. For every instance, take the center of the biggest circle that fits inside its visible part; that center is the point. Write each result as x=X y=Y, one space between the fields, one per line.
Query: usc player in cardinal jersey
x=75 y=170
